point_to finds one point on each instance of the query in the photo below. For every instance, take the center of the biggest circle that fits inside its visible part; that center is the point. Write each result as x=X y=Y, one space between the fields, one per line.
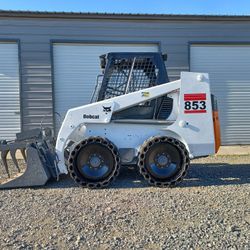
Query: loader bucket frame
x=38 y=155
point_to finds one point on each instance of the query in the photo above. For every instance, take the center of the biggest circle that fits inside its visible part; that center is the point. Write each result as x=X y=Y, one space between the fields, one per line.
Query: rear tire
x=94 y=162
x=163 y=161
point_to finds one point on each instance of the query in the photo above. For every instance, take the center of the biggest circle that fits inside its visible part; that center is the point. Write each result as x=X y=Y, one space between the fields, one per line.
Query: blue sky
x=133 y=6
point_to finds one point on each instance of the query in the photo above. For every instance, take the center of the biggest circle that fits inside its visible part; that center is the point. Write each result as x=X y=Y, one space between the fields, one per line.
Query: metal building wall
x=229 y=72
x=9 y=90
x=36 y=33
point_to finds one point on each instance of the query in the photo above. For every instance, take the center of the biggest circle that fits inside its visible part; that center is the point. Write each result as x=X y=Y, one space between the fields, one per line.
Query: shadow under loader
x=199 y=175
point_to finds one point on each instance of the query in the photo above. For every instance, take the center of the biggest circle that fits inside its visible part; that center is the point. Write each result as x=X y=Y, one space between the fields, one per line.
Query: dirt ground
x=209 y=209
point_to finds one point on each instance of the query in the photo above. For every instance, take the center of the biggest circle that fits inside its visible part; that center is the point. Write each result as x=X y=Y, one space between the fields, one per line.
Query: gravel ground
x=210 y=209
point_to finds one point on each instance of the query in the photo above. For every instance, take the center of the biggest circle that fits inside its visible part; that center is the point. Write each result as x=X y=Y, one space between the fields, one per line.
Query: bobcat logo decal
x=106 y=109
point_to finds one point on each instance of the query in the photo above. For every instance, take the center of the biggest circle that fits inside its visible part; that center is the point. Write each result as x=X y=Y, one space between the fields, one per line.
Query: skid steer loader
x=137 y=117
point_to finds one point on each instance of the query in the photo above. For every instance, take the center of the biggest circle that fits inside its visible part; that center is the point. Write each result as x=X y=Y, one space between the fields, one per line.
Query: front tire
x=163 y=161
x=94 y=162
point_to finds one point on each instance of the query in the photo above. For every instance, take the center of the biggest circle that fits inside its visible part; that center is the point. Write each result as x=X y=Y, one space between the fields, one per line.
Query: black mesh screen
x=129 y=75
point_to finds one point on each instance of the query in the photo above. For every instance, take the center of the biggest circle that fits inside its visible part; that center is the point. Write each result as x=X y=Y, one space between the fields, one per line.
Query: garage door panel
x=76 y=67
x=229 y=71
x=9 y=91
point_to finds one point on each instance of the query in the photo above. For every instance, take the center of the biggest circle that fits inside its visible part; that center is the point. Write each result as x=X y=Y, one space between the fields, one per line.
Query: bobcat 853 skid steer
x=136 y=117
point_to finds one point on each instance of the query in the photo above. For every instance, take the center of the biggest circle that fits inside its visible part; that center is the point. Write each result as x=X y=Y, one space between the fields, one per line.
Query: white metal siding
x=76 y=67
x=9 y=91
x=229 y=70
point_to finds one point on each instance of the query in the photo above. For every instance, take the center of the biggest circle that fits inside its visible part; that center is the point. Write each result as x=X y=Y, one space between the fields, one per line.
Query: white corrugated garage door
x=76 y=67
x=9 y=91
x=229 y=70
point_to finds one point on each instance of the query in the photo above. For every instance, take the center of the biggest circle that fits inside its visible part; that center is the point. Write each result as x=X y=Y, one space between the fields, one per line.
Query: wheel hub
x=162 y=160
x=95 y=161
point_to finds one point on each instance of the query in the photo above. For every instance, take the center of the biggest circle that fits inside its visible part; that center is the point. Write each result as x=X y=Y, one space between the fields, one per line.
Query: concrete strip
x=234 y=150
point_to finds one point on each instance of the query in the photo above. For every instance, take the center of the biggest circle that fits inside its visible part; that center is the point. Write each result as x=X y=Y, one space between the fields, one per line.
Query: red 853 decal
x=195 y=103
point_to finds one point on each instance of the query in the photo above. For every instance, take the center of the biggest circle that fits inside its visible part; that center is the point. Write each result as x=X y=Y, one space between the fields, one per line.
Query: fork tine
x=4 y=160
x=23 y=154
x=13 y=156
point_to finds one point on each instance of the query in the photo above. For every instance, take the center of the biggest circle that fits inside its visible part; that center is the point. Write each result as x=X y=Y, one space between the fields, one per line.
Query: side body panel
x=195 y=125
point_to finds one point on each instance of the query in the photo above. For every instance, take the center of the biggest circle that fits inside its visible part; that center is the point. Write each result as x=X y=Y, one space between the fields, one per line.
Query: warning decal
x=195 y=103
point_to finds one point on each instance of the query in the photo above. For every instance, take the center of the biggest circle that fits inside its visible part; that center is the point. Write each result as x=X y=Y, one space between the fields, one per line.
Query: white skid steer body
x=190 y=123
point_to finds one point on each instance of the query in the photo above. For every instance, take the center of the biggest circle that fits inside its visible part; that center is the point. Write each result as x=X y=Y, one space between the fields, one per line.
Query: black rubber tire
x=81 y=150
x=146 y=170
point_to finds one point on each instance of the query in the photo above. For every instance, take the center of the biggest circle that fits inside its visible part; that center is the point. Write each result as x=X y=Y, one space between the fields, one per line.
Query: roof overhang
x=129 y=16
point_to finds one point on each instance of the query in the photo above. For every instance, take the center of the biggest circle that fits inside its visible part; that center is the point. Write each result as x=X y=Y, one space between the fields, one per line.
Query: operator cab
x=126 y=72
